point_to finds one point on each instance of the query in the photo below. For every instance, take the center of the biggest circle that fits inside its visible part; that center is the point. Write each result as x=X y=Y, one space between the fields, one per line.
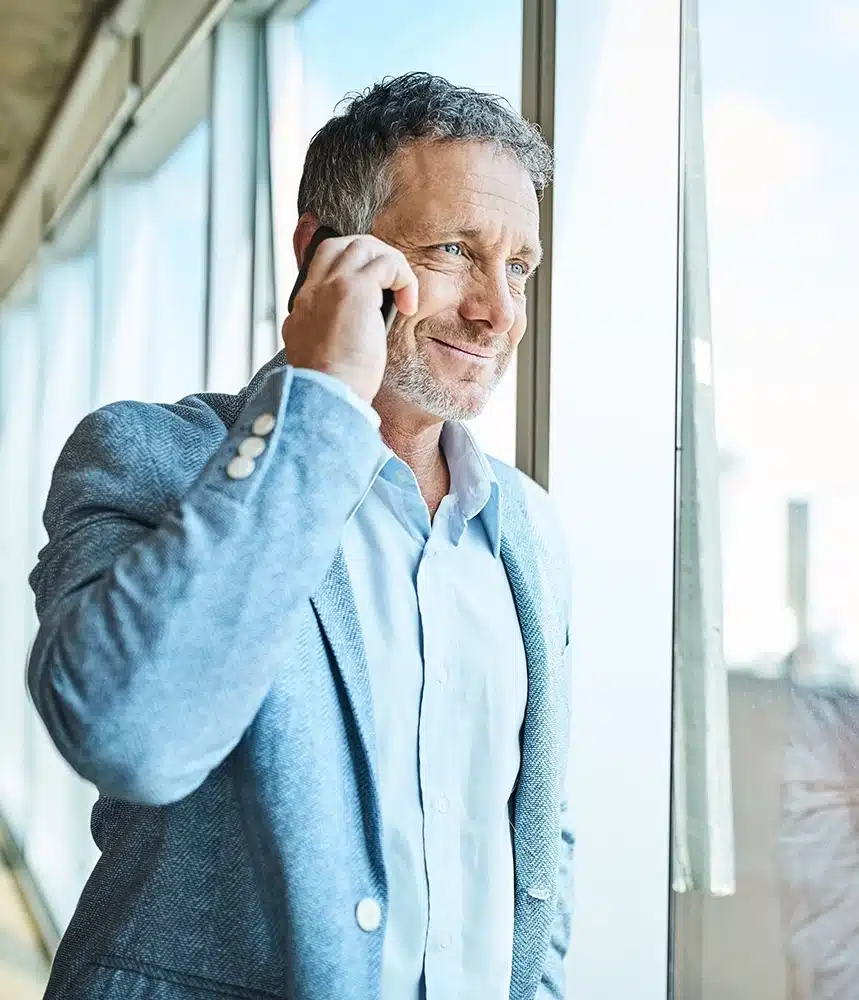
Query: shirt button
x=368 y=913
x=252 y=447
x=442 y=803
x=240 y=467
x=263 y=425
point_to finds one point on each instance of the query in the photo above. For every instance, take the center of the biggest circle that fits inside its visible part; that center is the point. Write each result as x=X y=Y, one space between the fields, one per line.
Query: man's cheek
x=438 y=292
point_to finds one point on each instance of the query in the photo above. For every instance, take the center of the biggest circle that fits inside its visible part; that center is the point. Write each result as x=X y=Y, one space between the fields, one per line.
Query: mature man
x=309 y=643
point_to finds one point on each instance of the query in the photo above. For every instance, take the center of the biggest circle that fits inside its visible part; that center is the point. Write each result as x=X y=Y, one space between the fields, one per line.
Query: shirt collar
x=473 y=483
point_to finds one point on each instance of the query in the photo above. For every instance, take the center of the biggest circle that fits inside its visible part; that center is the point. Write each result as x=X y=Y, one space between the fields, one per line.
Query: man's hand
x=336 y=324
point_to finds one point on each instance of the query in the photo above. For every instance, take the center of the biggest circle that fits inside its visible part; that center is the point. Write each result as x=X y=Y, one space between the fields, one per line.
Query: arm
x=161 y=632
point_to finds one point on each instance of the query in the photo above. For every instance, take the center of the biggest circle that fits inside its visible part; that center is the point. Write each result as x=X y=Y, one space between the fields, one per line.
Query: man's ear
x=304 y=230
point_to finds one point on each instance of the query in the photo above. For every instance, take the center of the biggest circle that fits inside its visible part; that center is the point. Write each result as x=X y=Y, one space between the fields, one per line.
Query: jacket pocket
x=123 y=977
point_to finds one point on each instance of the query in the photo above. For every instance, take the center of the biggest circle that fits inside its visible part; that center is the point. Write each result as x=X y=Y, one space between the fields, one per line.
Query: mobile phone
x=389 y=310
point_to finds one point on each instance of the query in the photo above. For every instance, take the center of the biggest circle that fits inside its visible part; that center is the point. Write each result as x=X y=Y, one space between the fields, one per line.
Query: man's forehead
x=467 y=167
x=474 y=192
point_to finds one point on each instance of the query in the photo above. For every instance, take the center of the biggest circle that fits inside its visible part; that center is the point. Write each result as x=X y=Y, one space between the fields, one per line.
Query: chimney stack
x=797 y=566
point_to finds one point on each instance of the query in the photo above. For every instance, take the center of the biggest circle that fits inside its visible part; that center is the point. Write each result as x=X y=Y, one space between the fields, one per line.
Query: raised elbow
x=109 y=745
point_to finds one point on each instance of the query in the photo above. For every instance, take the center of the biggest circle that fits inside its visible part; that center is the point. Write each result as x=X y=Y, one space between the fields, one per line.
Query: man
x=310 y=643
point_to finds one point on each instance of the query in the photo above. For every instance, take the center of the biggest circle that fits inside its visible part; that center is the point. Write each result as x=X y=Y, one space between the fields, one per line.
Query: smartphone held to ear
x=389 y=310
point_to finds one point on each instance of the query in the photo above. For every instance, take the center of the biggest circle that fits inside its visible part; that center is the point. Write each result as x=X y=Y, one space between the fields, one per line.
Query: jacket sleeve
x=163 y=625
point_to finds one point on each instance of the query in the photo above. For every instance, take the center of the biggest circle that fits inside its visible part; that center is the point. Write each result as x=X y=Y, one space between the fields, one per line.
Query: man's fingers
x=370 y=258
x=327 y=254
x=391 y=270
x=344 y=254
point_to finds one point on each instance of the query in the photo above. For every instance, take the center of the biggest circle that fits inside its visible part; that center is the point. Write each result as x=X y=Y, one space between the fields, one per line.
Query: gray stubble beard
x=409 y=376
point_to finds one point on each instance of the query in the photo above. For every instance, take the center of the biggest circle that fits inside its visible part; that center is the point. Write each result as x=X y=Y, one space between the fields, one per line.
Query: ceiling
x=42 y=42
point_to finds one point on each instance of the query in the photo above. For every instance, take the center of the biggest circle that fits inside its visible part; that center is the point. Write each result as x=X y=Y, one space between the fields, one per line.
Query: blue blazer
x=200 y=660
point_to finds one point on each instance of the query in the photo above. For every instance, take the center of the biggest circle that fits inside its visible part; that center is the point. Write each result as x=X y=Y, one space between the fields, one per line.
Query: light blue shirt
x=449 y=685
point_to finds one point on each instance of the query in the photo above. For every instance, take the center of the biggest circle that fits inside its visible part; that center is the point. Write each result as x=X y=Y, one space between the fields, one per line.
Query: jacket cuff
x=342 y=390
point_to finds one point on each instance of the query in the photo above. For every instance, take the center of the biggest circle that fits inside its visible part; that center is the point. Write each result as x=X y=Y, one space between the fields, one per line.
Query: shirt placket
x=440 y=793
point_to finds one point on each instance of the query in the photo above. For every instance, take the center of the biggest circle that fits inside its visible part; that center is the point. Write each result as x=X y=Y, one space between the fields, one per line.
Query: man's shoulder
x=139 y=457
x=133 y=427
x=535 y=517
x=195 y=423
x=535 y=513
x=528 y=495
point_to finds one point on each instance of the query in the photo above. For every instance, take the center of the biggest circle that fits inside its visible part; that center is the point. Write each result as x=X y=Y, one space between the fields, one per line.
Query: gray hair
x=347 y=180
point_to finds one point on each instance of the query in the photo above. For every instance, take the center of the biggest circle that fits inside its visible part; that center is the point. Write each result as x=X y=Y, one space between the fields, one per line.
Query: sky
x=780 y=83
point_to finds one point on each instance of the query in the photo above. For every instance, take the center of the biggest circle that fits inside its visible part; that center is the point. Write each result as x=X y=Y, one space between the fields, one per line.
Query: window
x=174 y=272
x=778 y=87
x=65 y=314
x=611 y=471
x=336 y=47
x=114 y=307
x=153 y=250
x=241 y=317
x=19 y=361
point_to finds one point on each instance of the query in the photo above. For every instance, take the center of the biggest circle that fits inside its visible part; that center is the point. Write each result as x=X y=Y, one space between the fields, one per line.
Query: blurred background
x=686 y=392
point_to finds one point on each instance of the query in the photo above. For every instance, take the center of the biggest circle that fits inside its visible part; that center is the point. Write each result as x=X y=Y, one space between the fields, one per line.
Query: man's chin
x=448 y=399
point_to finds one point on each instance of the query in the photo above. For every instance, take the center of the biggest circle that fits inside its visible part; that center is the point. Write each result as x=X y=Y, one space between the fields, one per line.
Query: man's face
x=466 y=217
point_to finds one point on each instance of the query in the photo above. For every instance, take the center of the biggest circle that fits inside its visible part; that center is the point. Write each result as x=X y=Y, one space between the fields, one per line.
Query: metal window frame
x=264 y=332
x=532 y=374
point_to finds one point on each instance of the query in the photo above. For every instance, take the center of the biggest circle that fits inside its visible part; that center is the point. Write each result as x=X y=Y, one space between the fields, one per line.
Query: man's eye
x=453 y=248
x=522 y=271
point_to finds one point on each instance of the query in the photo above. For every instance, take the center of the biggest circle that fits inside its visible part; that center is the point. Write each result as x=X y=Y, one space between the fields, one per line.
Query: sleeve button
x=263 y=425
x=240 y=467
x=252 y=447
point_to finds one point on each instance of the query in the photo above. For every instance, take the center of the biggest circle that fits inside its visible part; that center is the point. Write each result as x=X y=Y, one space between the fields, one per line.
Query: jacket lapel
x=334 y=604
x=535 y=815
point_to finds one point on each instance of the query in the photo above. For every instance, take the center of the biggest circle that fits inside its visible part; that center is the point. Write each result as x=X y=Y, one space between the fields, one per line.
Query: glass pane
x=612 y=470
x=336 y=47
x=152 y=256
x=58 y=849
x=233 y=246
x=178 y=205
x=18 y=382
x=780 y=920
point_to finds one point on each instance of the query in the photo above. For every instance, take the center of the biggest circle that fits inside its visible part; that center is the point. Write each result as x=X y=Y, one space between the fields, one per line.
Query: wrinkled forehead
x=468 y=187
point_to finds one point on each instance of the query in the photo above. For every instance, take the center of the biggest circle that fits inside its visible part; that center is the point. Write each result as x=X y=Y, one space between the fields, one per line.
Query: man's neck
x=416 y=440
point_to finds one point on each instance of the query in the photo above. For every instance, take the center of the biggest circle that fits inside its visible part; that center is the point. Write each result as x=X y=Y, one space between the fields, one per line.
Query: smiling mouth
x=473 y=354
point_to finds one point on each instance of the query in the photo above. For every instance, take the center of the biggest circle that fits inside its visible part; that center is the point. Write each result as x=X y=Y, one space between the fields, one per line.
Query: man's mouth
x=481 y=355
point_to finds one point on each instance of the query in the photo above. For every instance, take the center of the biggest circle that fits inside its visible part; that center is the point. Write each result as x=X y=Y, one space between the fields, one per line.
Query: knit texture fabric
x=200 y=660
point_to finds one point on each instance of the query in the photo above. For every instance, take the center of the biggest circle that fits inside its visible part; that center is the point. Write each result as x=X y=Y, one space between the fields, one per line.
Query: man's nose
x=488 y=300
